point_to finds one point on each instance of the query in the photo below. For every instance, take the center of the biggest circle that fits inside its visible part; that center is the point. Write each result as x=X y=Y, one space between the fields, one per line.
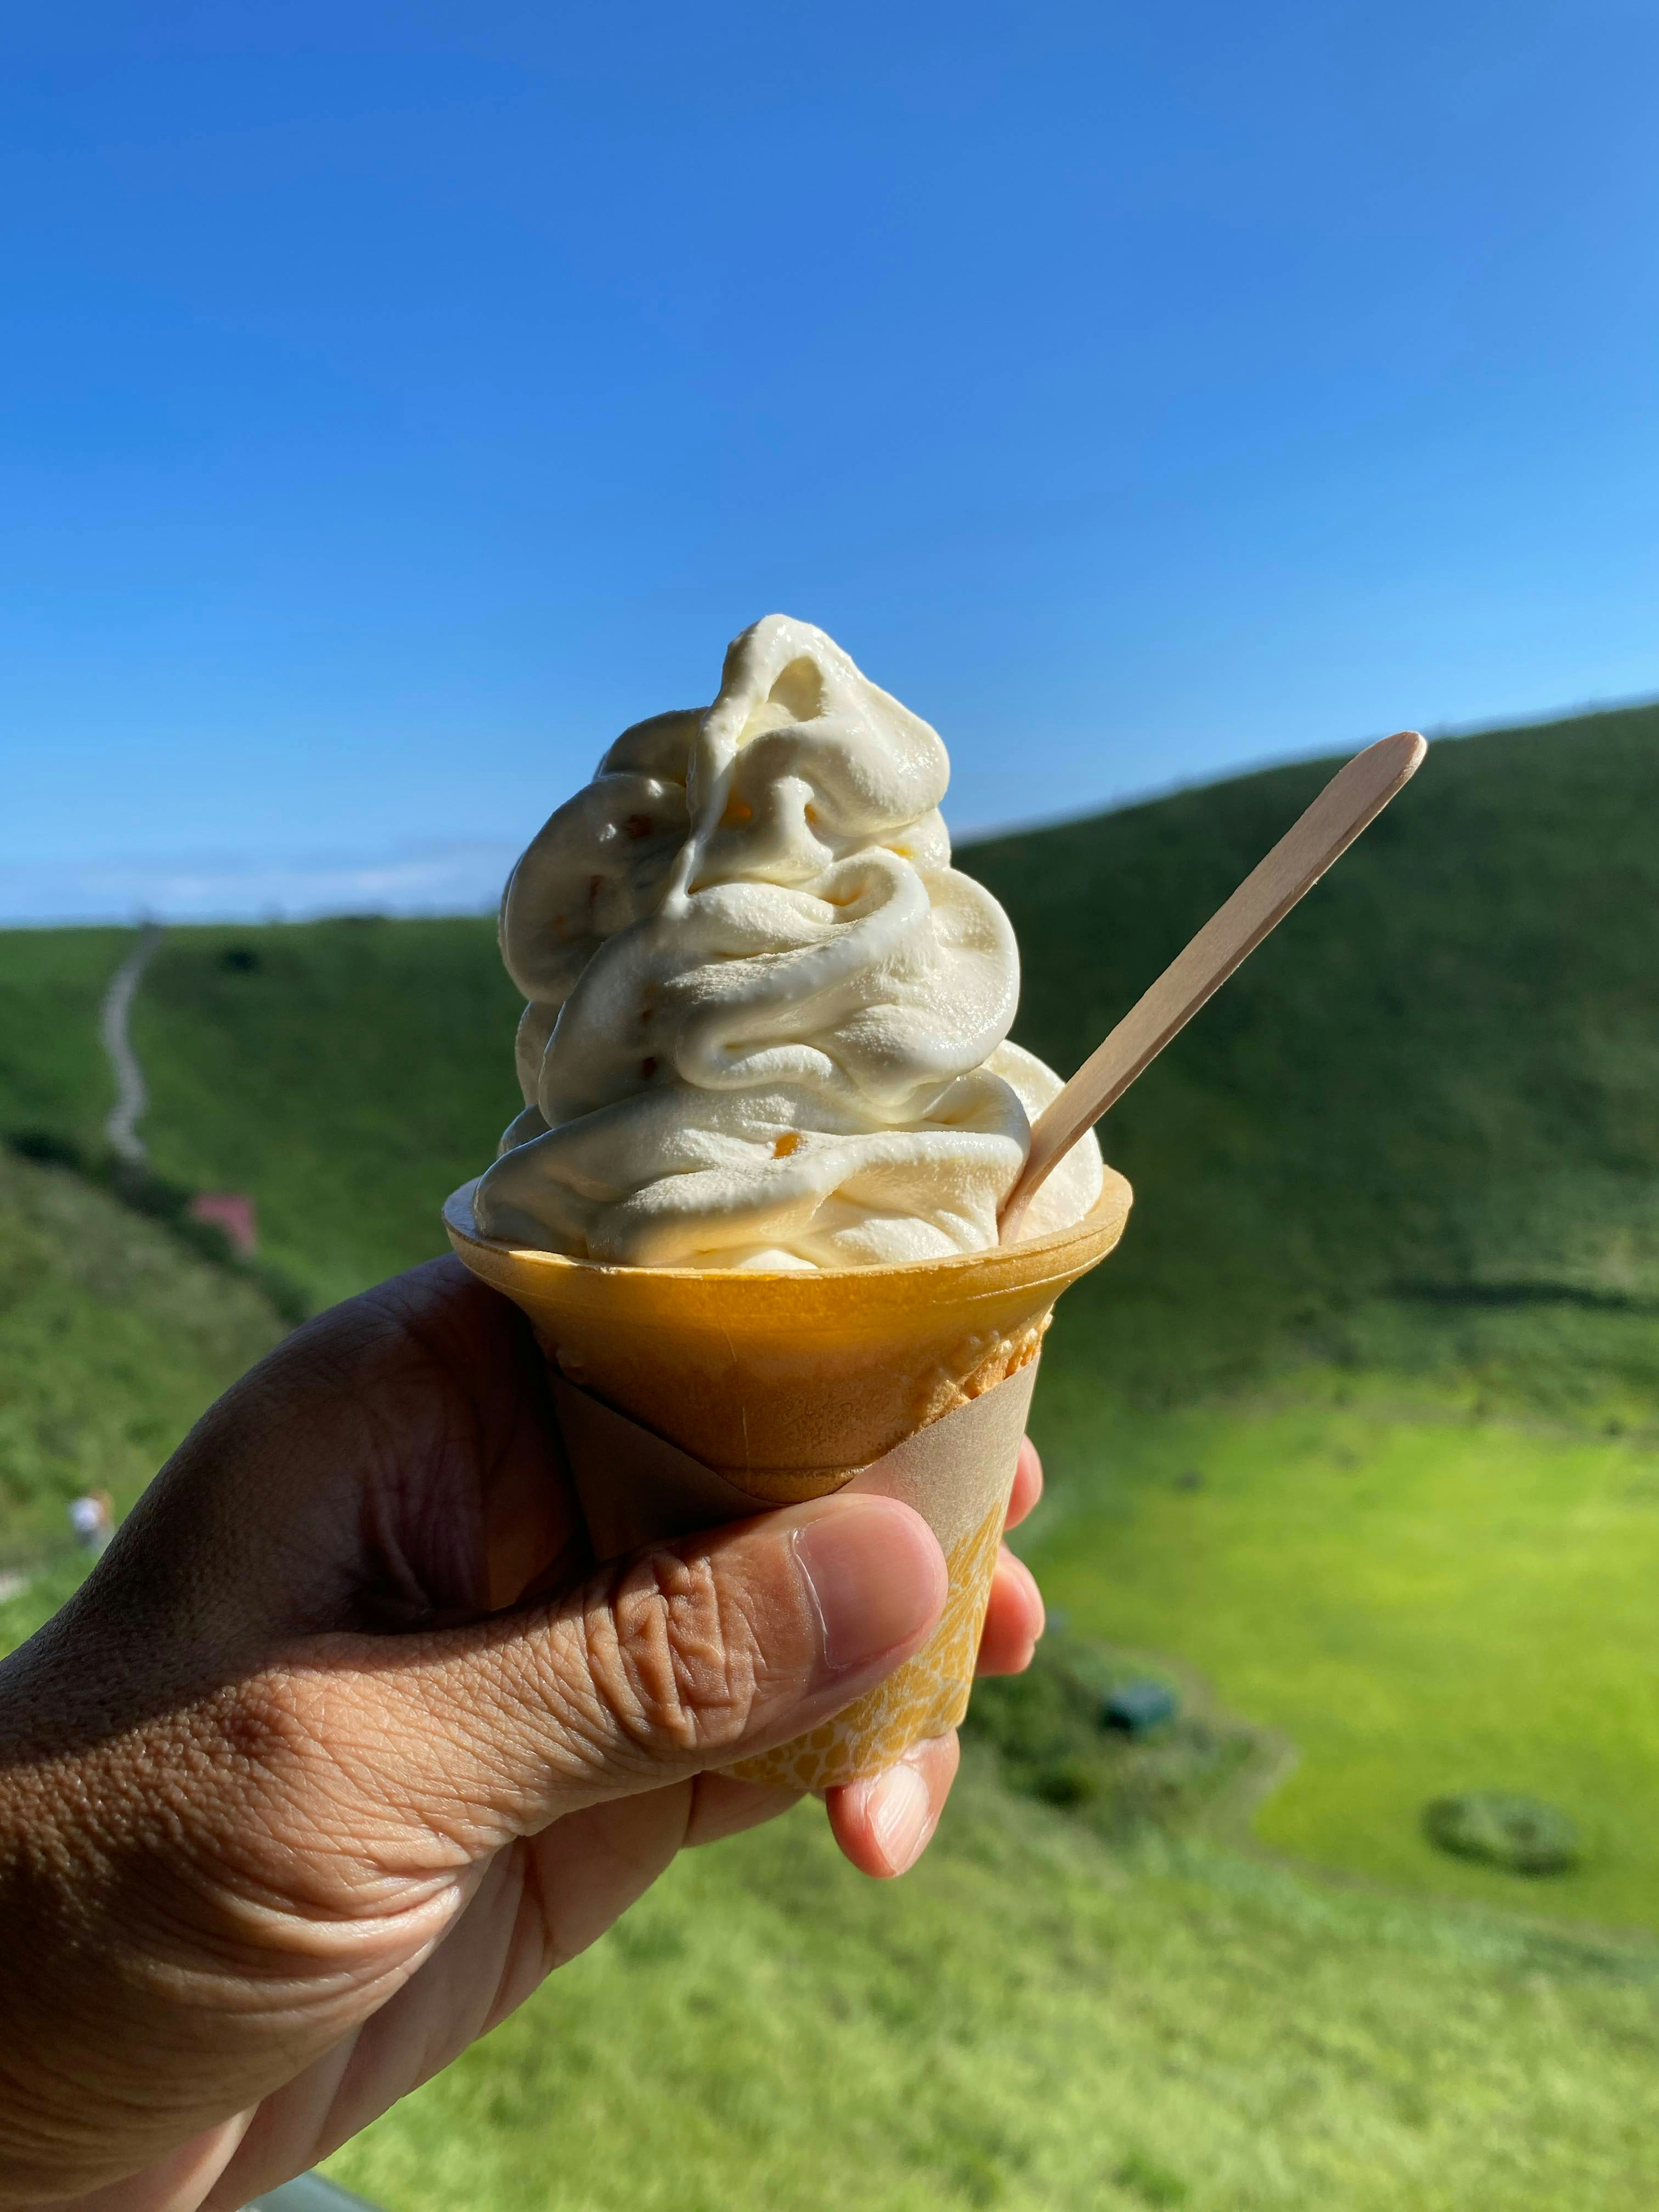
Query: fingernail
x=875 y=1575
x=900 y=1814
x=1035 y=1596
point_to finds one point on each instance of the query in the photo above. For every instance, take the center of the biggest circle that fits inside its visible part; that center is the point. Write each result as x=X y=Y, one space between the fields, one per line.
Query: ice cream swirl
x=767 y=1019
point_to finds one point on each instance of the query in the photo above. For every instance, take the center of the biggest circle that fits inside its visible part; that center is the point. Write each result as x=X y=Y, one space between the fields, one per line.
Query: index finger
x=1028 y=1484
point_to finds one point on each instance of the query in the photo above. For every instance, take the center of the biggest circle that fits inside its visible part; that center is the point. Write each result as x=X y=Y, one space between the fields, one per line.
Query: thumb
x=688 y=1656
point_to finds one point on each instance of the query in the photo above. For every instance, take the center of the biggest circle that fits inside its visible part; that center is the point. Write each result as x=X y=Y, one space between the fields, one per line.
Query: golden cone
x=745 y=1387
x=789 y=1383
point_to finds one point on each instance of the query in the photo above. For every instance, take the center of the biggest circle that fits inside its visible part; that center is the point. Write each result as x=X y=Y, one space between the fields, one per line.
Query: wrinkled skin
x=346 y=1744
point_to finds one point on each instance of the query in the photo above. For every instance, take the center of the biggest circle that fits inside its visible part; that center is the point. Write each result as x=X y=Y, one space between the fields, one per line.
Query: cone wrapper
x=720 y=1391
x=956 y=1472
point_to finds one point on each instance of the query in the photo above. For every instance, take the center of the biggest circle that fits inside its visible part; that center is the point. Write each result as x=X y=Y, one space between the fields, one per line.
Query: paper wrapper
x=721 y=1391
x=956 y=1472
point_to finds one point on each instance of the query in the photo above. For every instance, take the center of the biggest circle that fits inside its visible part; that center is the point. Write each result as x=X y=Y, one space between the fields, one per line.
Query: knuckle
x=673 y=1656
x=296 y=1751
x=271 y=1720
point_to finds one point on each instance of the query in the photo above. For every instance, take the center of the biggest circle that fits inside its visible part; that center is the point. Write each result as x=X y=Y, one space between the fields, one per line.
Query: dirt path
x=130 y=1096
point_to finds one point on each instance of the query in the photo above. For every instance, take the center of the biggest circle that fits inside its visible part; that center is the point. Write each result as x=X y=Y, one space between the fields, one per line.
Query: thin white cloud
x=430 y=879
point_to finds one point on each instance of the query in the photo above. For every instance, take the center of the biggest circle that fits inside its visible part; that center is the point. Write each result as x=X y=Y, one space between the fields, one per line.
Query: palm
x=528 y=1908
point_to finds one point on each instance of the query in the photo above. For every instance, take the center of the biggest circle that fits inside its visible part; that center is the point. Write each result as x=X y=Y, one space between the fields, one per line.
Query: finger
x=685 y=1657
x=885 y=1822
x=1028 y=1484
x=533 y=1540
x=722 y=1805
x=1014 y=1618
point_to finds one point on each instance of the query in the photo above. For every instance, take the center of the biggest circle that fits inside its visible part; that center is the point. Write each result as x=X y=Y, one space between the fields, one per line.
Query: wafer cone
x=729 y=1390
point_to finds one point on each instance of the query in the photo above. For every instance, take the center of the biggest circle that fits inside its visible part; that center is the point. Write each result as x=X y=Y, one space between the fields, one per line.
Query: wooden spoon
x=1352 y=798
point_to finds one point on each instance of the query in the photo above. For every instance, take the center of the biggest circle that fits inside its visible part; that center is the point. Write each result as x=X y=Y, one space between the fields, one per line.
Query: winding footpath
x=130 y=1097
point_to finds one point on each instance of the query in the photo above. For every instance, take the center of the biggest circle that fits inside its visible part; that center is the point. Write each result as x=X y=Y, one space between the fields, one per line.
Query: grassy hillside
x=113 y=1339
x=1416 y=1137
x=53 y=1074
x=1423 y=1600
x=1436 y=1086
x=1425 y=1110
x=1031 y=2022
x=348 y=1073
x=1362 y=1421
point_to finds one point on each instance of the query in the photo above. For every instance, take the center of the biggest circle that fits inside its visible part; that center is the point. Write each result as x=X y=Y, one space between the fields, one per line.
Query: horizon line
x=379 y=876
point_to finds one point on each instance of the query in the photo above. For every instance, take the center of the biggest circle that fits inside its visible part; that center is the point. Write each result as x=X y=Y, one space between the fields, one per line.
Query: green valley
x=1424 y=1599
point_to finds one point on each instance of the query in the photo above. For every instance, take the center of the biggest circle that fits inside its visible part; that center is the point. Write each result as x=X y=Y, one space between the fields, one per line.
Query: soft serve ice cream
x=768 y=1021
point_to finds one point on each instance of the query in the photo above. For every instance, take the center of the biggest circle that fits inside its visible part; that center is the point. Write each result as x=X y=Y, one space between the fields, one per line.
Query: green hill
x=1362 y=1421
x=346 y=1073
x=113 y=1340
x=1431 y=1098
x=1427 y=1108
x=1033 y=2023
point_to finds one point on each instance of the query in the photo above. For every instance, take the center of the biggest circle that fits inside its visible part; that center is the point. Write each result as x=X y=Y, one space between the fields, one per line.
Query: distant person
x=289 y=1815
x=93 y=1519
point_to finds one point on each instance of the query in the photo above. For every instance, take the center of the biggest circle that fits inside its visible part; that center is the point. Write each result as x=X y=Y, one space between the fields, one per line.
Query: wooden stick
x=1352 y=798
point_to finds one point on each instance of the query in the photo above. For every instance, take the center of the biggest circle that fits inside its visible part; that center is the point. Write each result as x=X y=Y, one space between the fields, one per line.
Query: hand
x=345 y=1744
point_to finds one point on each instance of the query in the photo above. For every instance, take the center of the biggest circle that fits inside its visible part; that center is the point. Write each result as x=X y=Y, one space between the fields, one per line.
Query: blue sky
x=395 y=401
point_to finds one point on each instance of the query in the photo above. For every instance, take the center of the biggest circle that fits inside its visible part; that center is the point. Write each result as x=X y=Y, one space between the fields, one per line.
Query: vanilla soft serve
x=768 y=1021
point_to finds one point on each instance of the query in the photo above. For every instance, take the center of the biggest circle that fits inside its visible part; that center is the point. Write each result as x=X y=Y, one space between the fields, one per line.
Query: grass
x=113 y=1339
x=348 y=1074
x=1195 y=1770
x=1032 y=2019
x=349 y=1079
x=53 y=1074
x=1033 y=2022
x=1440 y=1075
x=1423 y=1601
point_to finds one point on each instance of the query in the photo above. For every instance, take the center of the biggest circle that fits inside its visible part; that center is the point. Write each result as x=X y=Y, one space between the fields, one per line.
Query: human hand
x=345 y=1745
